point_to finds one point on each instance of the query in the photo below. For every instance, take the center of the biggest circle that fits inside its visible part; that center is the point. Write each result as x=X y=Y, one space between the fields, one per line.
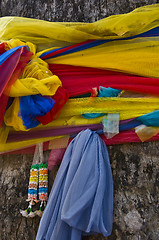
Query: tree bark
x=134 y=166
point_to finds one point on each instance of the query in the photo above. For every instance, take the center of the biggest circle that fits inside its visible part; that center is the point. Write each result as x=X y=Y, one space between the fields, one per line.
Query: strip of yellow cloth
x=46 y=34
x=126 y=107
x=23 y=144
x=135 y=56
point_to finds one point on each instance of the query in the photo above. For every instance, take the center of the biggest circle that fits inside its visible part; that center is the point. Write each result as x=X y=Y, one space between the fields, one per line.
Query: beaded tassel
x=33 y=183
x=38 y=174
x=43 y=182
x=32 y=191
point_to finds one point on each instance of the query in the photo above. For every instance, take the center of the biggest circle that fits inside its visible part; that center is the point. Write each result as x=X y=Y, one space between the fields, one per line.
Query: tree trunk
x=134 y=166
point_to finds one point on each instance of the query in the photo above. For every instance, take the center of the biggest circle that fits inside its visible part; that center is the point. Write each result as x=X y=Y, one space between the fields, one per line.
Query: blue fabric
x=33 y=106
x=150 y=33
x=84 y=46
x=108 y=92
x=103 y=92
x=7 y=54
x=150 y=119
x=129 y=125
x=81 y=199
x=51 y=51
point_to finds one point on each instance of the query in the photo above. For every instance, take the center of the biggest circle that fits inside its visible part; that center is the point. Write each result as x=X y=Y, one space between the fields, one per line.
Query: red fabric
x=10 y=70
x=80 y=80
x=3 y=105
x=61 y=96
x=62 y=50
x=2 y=48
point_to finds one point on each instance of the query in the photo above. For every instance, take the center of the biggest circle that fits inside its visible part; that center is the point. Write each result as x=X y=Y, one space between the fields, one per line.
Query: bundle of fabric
x=43 y=65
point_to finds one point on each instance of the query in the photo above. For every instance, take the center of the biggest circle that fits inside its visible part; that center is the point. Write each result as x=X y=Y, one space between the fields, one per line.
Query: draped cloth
x=81 y=199
x=120 y=51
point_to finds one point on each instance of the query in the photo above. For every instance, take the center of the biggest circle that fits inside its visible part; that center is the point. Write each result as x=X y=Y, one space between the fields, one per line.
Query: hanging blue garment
x=34 y=106
x=81 y=199
x=103 y=92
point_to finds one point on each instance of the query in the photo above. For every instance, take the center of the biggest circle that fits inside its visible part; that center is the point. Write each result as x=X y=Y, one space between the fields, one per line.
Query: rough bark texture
x=134 y=166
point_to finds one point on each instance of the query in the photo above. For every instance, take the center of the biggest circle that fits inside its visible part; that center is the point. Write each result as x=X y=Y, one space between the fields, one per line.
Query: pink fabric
x=55 y=157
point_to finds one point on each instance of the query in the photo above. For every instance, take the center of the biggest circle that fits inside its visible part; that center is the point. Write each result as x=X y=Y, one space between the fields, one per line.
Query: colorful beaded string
x=43 y=184
x=38 y=171
x=33 y=188
x=33 y=183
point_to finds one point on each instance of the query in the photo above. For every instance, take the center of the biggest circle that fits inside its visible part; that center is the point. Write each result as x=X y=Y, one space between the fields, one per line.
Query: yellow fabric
x=41 y=33
x=32 y=86
x=11 y=116
x=36 y=79
x=127 y=107
x=16 y=42
x=6 y=147
x=75 y=120
x=4 y=131
x=124 y=25
x=50 y=34
x=36 y=68
x=135 y=56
